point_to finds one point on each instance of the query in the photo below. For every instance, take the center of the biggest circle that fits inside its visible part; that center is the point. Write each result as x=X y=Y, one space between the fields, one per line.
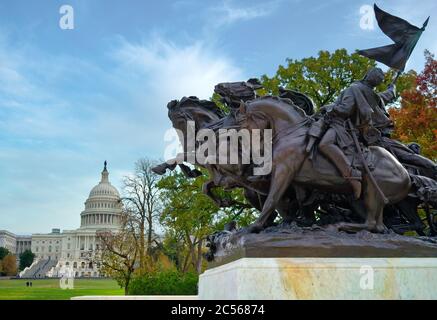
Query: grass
x=48 y=289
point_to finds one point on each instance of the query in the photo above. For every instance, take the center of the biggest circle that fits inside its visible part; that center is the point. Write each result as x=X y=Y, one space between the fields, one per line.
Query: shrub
x=166 y=282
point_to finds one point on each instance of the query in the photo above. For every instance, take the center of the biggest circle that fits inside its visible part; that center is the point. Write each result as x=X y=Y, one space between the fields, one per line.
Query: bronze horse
x=291 y=165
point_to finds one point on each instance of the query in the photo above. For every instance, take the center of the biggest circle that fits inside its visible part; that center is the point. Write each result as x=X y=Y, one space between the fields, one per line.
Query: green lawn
x=48 y=289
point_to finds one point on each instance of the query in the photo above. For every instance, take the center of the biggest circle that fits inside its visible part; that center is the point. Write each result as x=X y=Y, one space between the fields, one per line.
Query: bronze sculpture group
x=337 y=166
x=315 y=159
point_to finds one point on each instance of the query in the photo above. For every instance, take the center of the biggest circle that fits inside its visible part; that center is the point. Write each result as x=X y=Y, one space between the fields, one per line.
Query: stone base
x=315 y=242
x=321 y=278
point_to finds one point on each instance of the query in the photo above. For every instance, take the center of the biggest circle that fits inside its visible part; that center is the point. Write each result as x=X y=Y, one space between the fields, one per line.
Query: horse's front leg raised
x=207 y=189
x=162 y=168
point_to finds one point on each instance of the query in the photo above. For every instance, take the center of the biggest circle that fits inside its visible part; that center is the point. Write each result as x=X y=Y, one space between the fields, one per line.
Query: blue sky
x=70 y=99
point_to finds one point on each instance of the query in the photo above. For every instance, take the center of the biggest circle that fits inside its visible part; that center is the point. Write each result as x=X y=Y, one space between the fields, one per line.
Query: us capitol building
x=71 y=249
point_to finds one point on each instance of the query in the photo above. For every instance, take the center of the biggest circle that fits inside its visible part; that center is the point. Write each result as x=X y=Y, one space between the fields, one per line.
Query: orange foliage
x=416 y=118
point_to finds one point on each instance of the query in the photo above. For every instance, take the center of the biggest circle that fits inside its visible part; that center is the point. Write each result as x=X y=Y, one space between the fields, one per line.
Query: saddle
x=319 y=162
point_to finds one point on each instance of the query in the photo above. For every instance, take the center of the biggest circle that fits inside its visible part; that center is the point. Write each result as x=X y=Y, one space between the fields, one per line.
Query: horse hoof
x=381 y=229
x=351 y=227
x=159 y=170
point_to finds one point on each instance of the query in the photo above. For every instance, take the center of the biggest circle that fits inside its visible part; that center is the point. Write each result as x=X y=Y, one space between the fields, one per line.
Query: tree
x=3 y=252
x=322 y=78
x=26 y=259
x=9 y=265
x=118 y=252
x=141 y=201
x=416 y=117
x=189 y=216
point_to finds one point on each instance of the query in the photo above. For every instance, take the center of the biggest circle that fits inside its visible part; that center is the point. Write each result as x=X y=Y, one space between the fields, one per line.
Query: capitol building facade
x=73 y=249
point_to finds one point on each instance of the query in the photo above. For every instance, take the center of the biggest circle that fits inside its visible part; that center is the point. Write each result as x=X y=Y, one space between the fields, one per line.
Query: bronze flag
x=404 y=35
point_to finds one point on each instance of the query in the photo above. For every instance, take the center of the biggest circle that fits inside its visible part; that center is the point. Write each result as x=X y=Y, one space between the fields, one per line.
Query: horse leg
x=162 y=168
x=281 y=178
x=188 y=172
x=255 y=199
x=207 y=187
x=380 y=227
x=287 y=210
x=408 y=209
x=285 y=207
x=222 y=203
x=374 y=207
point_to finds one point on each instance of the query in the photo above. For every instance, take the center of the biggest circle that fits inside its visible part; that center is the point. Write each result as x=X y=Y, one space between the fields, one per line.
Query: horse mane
x=193 y=101
x=286 y=101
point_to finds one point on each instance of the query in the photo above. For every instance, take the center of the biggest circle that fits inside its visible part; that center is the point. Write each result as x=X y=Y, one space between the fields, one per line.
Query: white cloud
x=228 y=13
x=169 y=71
x=56 y=132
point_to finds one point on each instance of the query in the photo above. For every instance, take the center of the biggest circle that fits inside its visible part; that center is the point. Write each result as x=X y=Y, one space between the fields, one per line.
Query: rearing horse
x=205 y=114
x=291 y=165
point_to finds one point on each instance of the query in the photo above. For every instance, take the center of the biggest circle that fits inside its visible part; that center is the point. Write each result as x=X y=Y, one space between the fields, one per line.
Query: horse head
x=201 y=112
x=249 y=119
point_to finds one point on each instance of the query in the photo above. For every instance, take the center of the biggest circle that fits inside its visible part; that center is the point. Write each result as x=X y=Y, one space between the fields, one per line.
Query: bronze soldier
x=407 y=155
x=359 y=103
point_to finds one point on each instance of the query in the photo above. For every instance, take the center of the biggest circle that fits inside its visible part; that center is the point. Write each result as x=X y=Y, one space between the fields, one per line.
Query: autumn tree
x=141 y=201
x=9 y=265
x=416 y=117
x=118 y=252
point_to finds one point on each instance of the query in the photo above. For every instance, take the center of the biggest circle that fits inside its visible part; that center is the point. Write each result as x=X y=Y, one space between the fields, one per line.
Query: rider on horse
x=361 y=105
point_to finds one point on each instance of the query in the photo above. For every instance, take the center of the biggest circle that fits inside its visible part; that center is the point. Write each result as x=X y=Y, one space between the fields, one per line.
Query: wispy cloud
x=169 y=70
x=56 y=129
x=228 y=12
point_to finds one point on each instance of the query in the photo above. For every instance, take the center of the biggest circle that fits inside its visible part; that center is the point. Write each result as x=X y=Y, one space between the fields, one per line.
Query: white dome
x=103 y=206
x=104 y=189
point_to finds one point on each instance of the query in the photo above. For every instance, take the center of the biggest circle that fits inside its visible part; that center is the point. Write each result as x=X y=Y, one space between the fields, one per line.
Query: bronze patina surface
x=335 y=166
x=316 y=242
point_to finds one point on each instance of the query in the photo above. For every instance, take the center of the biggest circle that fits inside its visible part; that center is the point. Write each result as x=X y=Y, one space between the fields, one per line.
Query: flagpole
x=396 y=77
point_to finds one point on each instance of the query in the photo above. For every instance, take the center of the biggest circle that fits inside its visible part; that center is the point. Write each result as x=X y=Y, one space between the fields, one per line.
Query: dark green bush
x=167 y=282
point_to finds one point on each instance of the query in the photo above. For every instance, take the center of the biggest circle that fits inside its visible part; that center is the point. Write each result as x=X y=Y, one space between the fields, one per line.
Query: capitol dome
x=104 y=188
x=103 y=206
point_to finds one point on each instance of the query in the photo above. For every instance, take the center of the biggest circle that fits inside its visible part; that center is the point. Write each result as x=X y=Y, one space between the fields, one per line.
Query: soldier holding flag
x=363 y=109
x=360 y=105
x=395 y=56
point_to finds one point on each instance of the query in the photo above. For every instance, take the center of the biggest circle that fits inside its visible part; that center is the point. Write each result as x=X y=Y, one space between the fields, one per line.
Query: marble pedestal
x=321 y=278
